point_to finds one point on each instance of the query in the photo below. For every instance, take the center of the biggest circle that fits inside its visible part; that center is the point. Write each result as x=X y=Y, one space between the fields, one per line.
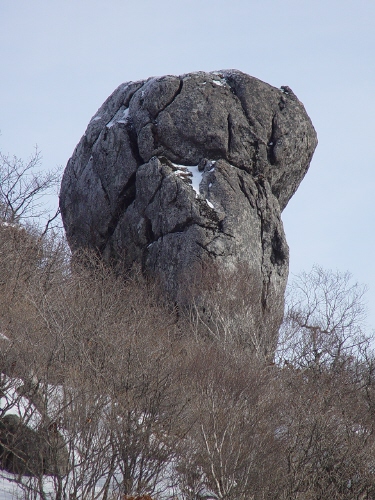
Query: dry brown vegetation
x=135 y=399
x=148 y=404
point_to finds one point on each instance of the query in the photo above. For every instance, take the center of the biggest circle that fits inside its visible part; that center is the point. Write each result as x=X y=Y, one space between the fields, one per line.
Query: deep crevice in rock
x=230 y=134
x=255 y=159
x=278 y=256
x=133 y=140
x=271 y=143
x=249 y=120
x=182 y=226
x=126 y=198
x=265 y=292
x=130 y=96
x=150 y=236
x=106 y=196
x=263 y=230
x=177 y=93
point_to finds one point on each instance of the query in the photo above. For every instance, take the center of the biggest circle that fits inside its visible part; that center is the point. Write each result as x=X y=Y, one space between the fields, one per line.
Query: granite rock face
x=28 y=452
x=174 y=171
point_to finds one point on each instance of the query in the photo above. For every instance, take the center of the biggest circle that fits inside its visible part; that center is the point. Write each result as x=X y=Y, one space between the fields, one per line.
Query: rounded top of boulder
x=219 y=115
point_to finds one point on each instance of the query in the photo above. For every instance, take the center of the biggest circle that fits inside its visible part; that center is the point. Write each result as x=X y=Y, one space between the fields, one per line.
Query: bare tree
x=23 y=187
x=326 y=434
x=324 y=319
x=128 y=398
x=99 y=371
x=231 y=449
x=326 y=371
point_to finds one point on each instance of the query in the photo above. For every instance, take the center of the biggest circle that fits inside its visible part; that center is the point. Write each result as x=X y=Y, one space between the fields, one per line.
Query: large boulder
x=29 y=452
x=176 y=171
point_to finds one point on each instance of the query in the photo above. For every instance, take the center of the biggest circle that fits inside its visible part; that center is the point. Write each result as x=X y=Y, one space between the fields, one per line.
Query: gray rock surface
x=174 y=171
x=28 y=452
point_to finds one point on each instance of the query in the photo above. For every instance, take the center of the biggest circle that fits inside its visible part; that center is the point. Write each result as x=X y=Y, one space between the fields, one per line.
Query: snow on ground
x=8 y=489
x=12 y=403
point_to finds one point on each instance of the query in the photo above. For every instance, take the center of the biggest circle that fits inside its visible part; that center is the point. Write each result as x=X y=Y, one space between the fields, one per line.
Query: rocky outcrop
x=174 y=171
x=28 y=452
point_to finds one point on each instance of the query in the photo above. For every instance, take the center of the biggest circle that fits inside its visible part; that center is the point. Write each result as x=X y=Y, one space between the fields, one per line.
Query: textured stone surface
x=246 y=147
x=27 y=452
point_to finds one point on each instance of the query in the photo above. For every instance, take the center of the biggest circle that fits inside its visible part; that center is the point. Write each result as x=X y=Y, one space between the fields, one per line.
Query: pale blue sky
x=60 y=59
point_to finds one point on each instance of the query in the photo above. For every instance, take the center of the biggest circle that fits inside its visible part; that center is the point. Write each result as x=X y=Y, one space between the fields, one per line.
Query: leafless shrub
x=131 y=398
x=23 y=187
x=326 y=435
x=231 y=447
x=98 y=369
x=326 y=370
x=323 y=323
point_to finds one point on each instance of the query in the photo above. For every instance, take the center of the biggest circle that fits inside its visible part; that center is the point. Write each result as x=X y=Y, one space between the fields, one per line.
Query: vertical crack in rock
x=147 y=121
x=255 y=159
x=106 y=196
x=271 y=143
x=230 y=138
x=231 y=81
x=178 y=92
x=233 y=219
x=249 y=196
x=133 y=141
x=277 y=255
x=150 y=236
x=261 y=203
x=125 y=199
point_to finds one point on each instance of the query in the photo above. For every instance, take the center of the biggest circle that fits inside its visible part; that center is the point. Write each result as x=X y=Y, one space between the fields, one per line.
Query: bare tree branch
x=23 y=188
